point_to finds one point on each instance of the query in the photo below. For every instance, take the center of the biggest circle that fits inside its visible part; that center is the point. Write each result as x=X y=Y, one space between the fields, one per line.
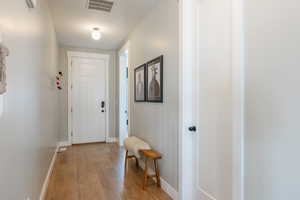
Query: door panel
x=89 y=90
x=213 y=146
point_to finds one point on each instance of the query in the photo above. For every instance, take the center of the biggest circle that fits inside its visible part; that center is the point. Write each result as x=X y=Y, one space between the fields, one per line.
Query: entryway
x=88 y=97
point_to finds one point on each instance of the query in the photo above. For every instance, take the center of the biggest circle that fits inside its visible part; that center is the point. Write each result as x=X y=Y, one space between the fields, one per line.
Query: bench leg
x=126 y=161
x=157 y=173
x=145 y=174
x=137 y=162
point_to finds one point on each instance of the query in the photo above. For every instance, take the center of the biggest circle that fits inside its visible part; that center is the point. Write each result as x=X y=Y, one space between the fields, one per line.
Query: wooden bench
x=136 y=147
x=150 y=154
x=133 y=145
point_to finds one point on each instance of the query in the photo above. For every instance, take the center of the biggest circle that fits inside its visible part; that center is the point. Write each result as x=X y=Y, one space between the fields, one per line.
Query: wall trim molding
x=207 y=195
x=187 y=63
x=124 y=48
x=111 y=139
x=169 y=189
x=64 y=144
x=238 y=98
x=47 y=179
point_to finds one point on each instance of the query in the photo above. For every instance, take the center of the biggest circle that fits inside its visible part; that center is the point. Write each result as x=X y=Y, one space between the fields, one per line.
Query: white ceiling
x=74 y=22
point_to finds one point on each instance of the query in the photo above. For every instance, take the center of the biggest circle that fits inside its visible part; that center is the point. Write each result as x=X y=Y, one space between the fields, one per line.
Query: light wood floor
x=96 y=172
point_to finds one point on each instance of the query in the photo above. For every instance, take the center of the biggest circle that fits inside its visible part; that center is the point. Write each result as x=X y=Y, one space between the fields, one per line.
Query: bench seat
x=134 y=144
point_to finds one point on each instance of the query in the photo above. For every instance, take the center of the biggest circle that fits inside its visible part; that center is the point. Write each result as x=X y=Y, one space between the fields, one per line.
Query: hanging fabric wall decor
x=3 y=54
x=59 y=80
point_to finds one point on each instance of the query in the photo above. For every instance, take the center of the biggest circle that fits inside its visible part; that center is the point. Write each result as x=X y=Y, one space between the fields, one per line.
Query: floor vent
x=101 y=5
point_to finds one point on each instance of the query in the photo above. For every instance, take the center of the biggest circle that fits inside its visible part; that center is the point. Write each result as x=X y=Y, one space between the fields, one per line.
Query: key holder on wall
x=59 y=79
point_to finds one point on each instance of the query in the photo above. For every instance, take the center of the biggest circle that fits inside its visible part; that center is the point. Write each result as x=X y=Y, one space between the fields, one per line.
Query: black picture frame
x=136 y=71
x=154 y=83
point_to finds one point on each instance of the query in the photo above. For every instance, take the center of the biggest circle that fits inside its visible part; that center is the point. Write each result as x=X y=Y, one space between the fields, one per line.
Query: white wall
x=157 y=123
x=63 y=99
x=272 y=139
x=28 y=126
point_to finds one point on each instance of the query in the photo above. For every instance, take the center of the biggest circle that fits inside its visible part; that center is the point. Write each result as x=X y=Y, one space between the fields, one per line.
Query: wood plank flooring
x=96 y=172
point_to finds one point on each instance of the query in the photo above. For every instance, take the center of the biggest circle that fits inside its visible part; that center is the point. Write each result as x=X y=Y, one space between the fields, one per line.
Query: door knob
x=193 y=129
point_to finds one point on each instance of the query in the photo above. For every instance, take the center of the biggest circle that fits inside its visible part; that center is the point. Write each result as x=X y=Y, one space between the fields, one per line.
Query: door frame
x=187 y=68
x=125 y=48
x=106 y=58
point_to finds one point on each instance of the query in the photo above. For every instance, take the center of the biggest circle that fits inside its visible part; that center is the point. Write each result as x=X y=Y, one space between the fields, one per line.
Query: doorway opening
x=123 y=98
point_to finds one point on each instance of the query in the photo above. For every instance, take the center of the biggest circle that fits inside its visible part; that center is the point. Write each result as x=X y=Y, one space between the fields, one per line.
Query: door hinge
x=71 y=133
x=127 y=72
x=71 y=109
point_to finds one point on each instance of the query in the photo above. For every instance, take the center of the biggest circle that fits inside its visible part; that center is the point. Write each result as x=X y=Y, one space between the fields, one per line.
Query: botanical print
x=3 y=54
x=140 y=83
x=155 y=80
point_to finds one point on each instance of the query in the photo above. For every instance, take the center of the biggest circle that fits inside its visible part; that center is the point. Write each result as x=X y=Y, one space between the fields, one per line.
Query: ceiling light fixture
x=96 y=34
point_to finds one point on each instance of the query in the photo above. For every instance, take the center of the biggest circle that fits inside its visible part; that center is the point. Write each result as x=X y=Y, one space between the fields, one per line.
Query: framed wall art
x=3 y=54
x=140 y=83
x=155 y=80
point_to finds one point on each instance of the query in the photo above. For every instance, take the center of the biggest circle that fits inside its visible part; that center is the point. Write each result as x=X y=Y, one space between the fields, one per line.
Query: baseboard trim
x=169 y=189
x=46 y=182
x=165 y=186
x=207 y=195
x=64 y=144
x=111 y=139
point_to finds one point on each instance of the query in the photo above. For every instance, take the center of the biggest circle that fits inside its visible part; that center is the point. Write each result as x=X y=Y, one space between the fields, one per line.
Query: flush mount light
x=96 y=34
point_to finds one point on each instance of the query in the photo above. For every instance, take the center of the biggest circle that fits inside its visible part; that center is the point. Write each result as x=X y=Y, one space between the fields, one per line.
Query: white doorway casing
x=103 y=57
x=124 y=91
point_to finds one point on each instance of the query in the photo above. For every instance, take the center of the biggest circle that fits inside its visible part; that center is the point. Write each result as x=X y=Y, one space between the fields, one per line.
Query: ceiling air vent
x=101 y=5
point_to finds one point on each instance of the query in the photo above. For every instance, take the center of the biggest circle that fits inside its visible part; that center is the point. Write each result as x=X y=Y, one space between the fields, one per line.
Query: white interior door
x=207 y=140
x=88 y=100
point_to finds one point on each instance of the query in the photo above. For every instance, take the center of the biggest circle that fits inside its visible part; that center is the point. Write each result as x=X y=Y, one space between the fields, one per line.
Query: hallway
x=208 y=87
x=95 y=172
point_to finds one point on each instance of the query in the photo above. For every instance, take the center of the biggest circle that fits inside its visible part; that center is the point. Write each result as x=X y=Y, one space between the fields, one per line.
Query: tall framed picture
x=3 y=54
x=140 y=83
x=155 y=80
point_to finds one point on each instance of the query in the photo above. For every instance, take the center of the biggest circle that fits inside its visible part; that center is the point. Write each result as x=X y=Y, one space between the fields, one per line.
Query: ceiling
x=74 y=22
